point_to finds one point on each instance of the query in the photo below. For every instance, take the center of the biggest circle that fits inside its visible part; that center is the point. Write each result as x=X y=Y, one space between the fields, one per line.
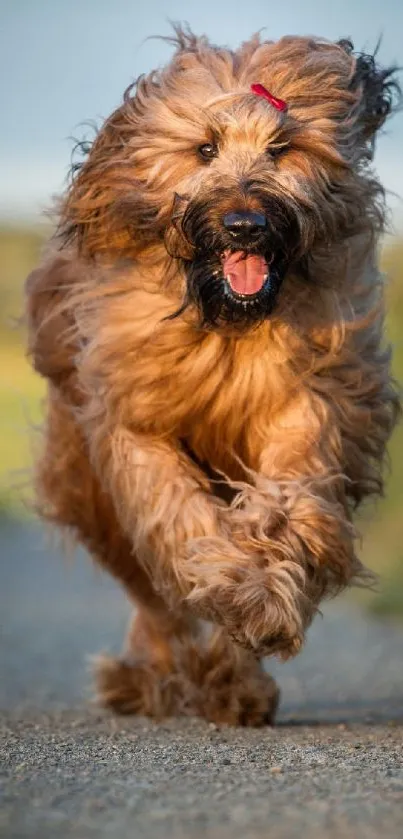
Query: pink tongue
x=245 y=274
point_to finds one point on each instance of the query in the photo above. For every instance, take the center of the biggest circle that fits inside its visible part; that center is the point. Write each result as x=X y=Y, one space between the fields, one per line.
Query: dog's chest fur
x=215 y=393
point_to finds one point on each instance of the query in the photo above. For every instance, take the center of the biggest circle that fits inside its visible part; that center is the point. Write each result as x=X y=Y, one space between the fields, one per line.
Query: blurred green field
x=20 y=390
x=20 y=407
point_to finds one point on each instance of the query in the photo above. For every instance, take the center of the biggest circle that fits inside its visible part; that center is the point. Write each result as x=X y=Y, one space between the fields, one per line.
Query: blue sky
x=66 y=61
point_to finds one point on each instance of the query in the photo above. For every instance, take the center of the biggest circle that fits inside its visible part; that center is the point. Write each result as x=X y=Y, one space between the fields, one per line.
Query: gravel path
x=332 y=767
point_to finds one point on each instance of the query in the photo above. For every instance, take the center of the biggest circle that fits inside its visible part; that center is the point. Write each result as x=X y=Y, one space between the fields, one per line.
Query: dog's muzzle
x=237 y=261
x=244 y=272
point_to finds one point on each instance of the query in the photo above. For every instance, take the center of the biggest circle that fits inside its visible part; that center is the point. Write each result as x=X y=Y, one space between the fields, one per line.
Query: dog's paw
x=281 y=645
x=245 y=697
x=262 y=609
x=134 y=687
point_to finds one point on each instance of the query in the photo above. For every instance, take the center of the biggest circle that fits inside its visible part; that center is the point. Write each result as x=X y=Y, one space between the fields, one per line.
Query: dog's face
x=240 y=188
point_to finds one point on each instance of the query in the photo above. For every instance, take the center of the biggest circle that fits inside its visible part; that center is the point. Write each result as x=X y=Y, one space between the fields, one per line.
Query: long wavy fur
x=158 y=384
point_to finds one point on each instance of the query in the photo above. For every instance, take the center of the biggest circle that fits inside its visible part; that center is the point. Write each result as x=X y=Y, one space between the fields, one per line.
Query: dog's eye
x=277 y=151
x=208 y=151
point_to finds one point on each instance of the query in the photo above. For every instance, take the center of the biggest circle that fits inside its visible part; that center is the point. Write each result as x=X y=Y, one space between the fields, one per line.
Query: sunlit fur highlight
x=211 y=467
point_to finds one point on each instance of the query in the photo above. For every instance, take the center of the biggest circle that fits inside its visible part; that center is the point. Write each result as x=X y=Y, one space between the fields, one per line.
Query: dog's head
x=241 y=165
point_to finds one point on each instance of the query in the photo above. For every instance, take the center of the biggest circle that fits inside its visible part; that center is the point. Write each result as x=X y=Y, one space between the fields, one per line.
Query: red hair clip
x=278 y=104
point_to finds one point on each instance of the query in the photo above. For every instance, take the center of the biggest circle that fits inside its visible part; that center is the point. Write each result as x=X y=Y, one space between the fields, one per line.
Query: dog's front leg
x=165 y=505
x=301 y=548
x=293 y=520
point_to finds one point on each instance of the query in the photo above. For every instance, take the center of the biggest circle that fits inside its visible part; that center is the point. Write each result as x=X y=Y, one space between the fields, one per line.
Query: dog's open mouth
x=245 y=273
x=235 y=286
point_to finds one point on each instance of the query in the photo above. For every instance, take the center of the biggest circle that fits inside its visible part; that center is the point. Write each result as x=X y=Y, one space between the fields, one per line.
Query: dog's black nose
x=244 y=225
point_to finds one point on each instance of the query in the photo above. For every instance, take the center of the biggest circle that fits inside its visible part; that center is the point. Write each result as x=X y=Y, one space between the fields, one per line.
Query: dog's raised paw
x=258 y=614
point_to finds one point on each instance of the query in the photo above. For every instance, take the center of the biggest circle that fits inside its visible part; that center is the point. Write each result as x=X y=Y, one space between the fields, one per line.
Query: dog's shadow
x=351 y=712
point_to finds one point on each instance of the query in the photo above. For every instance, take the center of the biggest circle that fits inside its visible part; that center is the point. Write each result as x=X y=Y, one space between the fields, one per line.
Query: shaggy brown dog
x=209 y=319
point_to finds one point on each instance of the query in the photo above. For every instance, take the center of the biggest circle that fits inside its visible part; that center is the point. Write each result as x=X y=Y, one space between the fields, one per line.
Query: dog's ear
x=106 y=207
x=377 y=88
x=51 y=340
